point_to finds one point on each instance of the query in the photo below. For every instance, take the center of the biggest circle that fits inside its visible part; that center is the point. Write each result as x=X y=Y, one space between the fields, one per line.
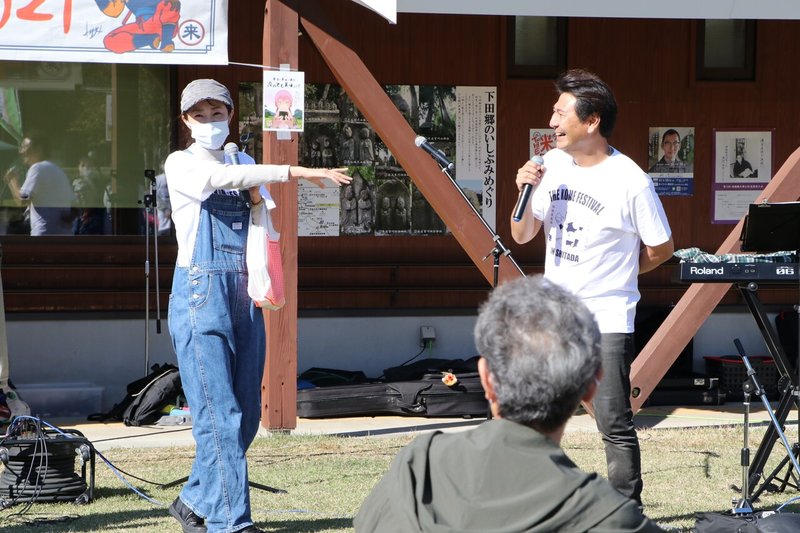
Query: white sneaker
x=16 y=404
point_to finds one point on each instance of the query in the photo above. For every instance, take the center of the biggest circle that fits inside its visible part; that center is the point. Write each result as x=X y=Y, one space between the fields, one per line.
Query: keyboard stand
x=788 y=385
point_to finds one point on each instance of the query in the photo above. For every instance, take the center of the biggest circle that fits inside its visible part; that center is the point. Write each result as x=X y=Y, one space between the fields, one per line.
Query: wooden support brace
x=373 y=102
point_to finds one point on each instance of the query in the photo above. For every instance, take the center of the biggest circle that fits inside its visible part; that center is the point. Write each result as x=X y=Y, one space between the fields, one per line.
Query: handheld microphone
x=232 y=151
x=527 y=190
x=435 y=153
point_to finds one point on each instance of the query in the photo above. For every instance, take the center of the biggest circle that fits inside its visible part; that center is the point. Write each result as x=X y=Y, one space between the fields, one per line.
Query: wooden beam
x=700 y=299
x=365 y=91
x=279 y=383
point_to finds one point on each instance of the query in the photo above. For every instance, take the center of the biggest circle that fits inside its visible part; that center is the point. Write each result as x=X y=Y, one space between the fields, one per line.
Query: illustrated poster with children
x=283 y=100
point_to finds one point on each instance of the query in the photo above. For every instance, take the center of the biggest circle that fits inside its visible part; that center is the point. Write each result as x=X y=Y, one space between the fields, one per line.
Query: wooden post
x=279 y=383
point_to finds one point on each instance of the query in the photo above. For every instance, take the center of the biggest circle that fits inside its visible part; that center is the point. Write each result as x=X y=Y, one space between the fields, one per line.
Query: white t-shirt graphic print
x=595 y=219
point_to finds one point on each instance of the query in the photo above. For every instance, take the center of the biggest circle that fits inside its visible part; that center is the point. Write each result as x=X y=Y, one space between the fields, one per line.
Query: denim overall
x=218 y=336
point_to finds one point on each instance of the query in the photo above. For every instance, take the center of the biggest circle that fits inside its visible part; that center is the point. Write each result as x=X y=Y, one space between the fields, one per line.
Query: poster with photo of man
x=741 y=167
x=671 y=160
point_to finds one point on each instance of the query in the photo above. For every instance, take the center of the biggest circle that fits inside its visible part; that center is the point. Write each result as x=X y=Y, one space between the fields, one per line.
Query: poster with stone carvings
x=382 y=199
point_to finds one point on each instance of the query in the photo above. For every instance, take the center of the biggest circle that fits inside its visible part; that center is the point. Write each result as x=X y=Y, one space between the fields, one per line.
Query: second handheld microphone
x=232 y=151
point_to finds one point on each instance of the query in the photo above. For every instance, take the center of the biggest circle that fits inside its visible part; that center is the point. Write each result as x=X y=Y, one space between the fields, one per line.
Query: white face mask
x=210 y=135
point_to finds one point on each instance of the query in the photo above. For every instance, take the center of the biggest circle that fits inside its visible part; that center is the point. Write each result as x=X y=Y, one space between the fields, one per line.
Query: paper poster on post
x=476 y=148
x=541 y=141
x=317 y=210
x=112 y=31
x=284 y=100
x=743 y=161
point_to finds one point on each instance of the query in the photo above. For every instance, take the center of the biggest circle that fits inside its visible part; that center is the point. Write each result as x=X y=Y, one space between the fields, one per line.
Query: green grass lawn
x=327 y=478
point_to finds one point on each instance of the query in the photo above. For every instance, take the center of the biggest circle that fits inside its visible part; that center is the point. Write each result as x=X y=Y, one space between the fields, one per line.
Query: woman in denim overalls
x=217 y=331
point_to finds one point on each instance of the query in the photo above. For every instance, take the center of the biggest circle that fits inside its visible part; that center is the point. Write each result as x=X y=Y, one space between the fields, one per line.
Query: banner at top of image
x=115 y=31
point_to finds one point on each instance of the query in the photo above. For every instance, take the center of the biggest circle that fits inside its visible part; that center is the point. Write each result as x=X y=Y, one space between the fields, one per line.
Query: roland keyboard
x=740 y=272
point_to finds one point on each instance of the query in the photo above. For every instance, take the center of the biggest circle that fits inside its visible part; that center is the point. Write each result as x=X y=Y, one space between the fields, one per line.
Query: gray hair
x=542 y=346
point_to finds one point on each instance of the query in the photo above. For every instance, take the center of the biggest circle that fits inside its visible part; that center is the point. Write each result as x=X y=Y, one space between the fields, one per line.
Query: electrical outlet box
x=427 y=335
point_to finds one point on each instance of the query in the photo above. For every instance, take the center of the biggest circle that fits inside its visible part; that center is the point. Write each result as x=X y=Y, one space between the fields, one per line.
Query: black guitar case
x=426 y=397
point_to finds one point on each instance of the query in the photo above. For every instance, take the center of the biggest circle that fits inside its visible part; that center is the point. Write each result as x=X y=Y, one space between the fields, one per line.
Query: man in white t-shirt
x=604 y=225
x=47 y=190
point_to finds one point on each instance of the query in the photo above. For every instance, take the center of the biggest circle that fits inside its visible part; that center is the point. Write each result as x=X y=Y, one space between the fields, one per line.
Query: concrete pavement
x=106 y=436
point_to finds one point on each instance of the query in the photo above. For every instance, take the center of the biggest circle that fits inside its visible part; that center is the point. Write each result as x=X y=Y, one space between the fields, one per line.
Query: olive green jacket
x=498 y=477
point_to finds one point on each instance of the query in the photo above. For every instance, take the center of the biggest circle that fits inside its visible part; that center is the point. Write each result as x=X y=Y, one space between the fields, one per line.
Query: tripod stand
x=744 y=505
x=150 y=203
x=785 y=482
x=752 y=385
x=252 y=484
x=789 y=388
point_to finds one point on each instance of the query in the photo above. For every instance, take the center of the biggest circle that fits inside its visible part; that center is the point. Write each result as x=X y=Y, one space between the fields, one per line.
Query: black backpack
x=146 y=398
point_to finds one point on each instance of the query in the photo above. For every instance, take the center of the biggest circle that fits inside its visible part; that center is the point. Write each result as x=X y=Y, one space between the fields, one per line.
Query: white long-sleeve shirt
x=195 y=173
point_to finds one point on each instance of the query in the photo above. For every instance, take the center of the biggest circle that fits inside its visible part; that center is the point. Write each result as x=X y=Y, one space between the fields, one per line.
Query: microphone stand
x=499 y=248
x=150 y=212
x=745 y=504
x=752 y=385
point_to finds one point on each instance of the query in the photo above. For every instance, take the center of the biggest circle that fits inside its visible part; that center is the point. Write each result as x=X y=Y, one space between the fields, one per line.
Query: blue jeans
x=614 y=416
x=218 y=336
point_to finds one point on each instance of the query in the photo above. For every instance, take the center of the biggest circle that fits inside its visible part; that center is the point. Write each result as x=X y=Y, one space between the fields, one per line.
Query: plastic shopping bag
x=264 y=266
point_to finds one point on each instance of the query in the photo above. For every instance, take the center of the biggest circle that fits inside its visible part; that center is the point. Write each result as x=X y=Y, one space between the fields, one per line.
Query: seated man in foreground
x=540 y=351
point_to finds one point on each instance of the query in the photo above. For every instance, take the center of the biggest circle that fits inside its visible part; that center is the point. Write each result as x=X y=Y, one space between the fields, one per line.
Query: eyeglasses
x=671 y=143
